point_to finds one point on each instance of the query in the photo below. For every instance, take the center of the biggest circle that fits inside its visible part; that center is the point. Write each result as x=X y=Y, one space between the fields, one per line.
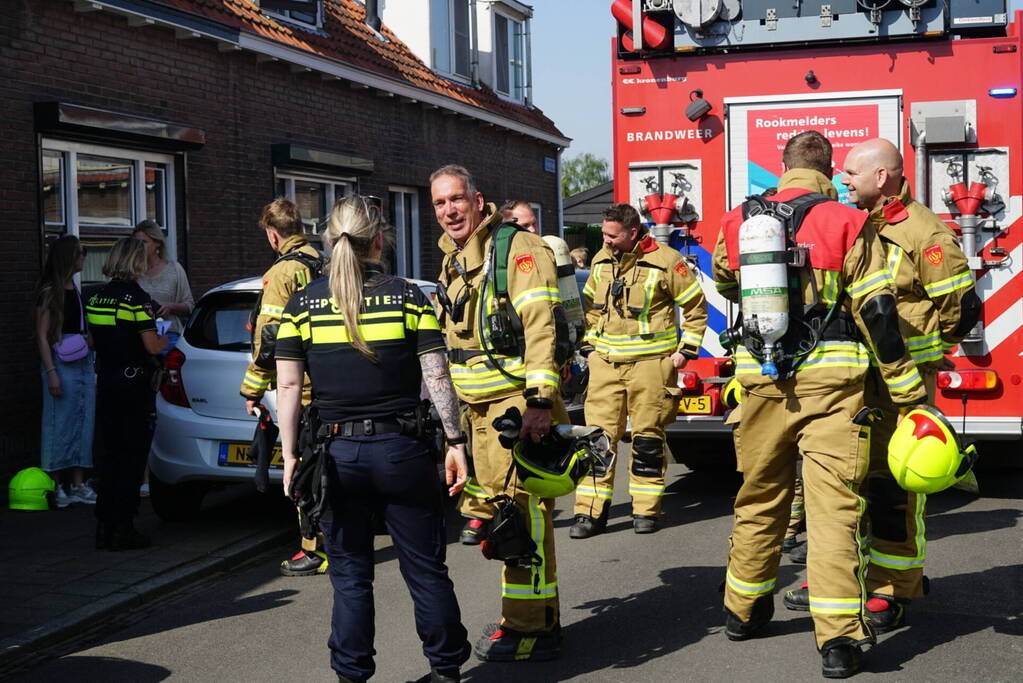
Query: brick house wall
x=49 y=52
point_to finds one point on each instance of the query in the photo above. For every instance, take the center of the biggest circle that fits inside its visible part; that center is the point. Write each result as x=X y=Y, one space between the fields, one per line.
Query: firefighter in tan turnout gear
x=634 y=287
x=806 y=397
x=297 y=264
x=492 y=372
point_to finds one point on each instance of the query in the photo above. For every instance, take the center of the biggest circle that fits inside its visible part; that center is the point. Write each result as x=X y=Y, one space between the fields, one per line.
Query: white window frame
x=520 y=22
x=452 y=43
x=71 y=150
x=286 y=16
x=330 y=194
x=407 y=227
x=538 y=212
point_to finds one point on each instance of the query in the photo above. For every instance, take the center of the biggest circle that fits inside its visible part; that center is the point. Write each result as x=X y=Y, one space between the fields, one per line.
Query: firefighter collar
x=807 y=179
x=292 y=243
x=472 y=253
x=893 y=210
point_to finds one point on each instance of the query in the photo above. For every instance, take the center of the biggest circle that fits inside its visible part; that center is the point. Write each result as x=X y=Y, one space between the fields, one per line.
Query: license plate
x=237 y=455
x=695 y=405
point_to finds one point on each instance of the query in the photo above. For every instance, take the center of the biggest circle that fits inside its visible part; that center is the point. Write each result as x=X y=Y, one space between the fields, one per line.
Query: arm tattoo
x=442 y=392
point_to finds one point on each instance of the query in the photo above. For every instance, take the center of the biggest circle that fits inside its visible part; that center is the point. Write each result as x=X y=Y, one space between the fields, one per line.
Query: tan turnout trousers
x=771 y=434
x=529 y=597
x=895 y=517
x=638 y=390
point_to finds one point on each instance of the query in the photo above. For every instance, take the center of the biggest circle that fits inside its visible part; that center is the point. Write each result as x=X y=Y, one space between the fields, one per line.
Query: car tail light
x=173 y=387
x=967 y=380
x=688 y=379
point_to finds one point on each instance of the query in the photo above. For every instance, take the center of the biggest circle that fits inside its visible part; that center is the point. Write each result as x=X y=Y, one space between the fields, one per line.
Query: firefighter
x=841 y=302
x=938 y=305
x=495 y=368
x=297 y=264
x=633 y=289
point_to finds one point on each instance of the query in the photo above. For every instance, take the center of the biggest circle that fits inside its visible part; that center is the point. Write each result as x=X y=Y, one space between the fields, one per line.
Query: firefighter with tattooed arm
x=802 y=366
x=634 y=287
x=502 y=342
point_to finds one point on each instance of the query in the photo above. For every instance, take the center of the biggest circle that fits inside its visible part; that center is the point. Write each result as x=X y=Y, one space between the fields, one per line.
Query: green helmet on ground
x=29 y=489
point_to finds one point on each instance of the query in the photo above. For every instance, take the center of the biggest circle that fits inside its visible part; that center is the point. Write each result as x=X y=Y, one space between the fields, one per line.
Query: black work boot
x=789 y=542
x=644 y=524
x=841 y=657
x=126 y=537
x=760 y=615
x=104 y=535
x=452 y=675
x=798 y=553
x=798 y=599
x=885 y=614
x=474 y=531
x=586 y=526
x=508 y=645
x=304 y=563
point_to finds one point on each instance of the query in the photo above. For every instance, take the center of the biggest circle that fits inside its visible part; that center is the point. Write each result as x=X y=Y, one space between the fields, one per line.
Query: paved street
x=635 y=608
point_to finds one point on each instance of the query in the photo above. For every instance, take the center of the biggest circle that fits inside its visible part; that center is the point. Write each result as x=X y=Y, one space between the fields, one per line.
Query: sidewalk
x=54 y=581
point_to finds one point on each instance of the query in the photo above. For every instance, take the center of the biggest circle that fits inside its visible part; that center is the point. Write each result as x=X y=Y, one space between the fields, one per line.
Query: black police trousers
x=395 y=476
x=125 y=415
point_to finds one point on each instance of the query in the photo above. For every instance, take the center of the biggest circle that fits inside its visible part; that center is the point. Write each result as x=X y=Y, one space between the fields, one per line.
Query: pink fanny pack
x=74 y=346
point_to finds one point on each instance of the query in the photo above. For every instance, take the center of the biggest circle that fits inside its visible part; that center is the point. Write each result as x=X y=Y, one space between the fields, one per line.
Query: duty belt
x=463 y=356
x=365 y=428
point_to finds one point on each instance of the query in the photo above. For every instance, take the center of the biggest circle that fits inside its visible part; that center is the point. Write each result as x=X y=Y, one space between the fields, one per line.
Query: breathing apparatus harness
x=814 y=323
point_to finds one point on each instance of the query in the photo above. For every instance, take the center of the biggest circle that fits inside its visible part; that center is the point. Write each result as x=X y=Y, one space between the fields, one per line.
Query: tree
x=583 y=172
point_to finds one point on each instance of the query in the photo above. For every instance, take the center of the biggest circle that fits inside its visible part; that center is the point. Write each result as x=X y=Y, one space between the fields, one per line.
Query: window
x=314 y=196
x=450 y=37
x=538 y=212
x=99 y=193
x=404 y=203
x=509 y=56
x=220 y=320
x=301 y=11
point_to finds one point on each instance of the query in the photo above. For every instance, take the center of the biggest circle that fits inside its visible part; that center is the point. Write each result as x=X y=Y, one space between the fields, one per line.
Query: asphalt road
x=634 y=608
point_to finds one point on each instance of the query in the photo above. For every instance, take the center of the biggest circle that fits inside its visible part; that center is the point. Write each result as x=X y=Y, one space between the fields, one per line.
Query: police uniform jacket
x=533 y=290
x=283 y=279
x=635 y=319
x=847 y=264
x=937 y=302
x=397 y=322
x=118 y=313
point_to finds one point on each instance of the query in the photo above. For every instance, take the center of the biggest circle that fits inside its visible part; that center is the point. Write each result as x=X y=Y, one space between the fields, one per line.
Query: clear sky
x=571 y=67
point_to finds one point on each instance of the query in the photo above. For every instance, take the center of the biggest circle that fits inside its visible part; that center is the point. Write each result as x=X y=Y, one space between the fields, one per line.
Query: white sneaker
x=82 y=493
x=60 y=497
x=144 y=491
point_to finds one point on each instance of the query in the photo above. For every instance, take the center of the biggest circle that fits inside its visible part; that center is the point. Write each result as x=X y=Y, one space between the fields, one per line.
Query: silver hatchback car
x=203 y=434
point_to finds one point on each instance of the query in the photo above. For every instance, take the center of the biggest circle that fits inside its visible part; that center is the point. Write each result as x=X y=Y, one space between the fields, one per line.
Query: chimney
x=372 y=15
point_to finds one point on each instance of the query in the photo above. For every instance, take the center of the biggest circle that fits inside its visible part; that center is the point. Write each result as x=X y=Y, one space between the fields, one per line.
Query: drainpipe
x=561 y=199
x=921 y=168
x=474 y=46
x=528 y=57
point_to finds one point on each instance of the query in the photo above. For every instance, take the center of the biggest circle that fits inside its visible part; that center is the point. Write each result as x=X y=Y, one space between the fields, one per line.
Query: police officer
x=937 y=305
x=634 y=287
x=123 y=328
x=297 y=263
x=367 y=379
x=814 y=408
x=491 y=380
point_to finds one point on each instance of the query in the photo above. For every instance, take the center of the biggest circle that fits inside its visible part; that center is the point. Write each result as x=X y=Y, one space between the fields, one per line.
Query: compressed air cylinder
x=763 y=274
x=568 y=288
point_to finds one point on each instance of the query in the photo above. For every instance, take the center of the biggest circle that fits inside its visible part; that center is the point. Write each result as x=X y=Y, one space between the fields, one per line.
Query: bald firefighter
x=634 y=287
x=297 y=264
x=501 y=339
x=841 y=303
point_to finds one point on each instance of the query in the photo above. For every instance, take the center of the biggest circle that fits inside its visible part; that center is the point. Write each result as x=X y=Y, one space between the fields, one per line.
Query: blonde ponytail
x=352 y=230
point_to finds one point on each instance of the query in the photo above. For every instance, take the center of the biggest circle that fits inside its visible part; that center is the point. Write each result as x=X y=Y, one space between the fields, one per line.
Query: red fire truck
x=707 y=92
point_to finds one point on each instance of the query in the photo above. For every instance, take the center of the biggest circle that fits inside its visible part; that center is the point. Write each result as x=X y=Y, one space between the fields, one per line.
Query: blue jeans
x=68 y=422
x=394 y=476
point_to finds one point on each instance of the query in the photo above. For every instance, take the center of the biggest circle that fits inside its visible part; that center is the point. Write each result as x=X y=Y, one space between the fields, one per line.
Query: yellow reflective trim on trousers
x=542 y=589
x=646 y=490
x=866 y=285
x=542 y=378
x=371 y=332
x=602 y=492
x=747 y=588
x=530 y=296
x=835 y=605
x=648 y=295
x=519 y=591
x=902 y=562
x=861 y=541
x=906 y=381
x=691 y=291
x=949 y=285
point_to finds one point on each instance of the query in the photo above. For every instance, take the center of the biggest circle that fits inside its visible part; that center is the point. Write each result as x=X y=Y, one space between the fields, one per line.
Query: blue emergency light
x=1002 y=92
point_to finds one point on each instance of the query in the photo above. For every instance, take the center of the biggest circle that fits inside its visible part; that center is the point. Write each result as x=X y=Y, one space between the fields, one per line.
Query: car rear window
x=220 y=321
